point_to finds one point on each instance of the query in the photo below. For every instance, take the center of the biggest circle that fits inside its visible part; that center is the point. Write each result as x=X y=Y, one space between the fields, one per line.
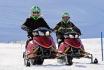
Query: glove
x=51 y=29
x=25 y=28
x=29 y=30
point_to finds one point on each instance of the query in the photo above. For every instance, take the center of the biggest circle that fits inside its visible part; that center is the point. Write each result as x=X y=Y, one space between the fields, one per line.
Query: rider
x=65 y=23
x=33 y=22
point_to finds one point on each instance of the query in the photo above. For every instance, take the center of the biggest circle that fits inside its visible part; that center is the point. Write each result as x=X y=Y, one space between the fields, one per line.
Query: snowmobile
x=72 y=47
x=40 y=47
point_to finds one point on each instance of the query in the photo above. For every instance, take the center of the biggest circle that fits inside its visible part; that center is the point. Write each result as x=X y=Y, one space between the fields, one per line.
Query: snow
x=11 y=58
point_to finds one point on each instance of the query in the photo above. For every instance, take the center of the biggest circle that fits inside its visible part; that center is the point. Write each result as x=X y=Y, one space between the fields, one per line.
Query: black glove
x=51 y=29
x=25 y=28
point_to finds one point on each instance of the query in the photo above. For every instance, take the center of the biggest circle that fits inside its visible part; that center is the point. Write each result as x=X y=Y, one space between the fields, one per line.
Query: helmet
x=65 y=17
x=35 y=9
x=65 y=14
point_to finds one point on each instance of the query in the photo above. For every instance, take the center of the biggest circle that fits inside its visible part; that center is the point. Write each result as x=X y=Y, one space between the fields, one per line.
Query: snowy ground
x=11 y=58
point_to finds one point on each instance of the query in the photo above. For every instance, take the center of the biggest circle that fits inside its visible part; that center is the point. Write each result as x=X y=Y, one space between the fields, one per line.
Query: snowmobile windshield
x=42 y=32
x=69 y=33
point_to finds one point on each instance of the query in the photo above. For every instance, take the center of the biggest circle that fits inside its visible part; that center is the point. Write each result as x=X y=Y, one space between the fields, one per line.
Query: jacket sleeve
x=25 y=26
x=57 y=26
x=75 y=28
x=45 y=24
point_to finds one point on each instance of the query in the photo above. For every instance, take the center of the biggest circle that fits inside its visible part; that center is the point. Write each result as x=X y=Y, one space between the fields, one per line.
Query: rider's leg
x=60 y=39
x=27 y=42
x=29 y=39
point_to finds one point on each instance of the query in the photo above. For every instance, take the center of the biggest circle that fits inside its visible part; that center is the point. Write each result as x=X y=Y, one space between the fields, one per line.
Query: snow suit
x=69 y=24
x=31 y=24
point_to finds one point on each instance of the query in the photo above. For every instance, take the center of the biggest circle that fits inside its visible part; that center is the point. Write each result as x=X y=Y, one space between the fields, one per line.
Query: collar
x=35 y=18
x=66 y=21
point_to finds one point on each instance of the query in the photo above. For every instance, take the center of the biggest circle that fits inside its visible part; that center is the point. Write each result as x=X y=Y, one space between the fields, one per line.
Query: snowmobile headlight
x=76 y=36
x=47 y=33
x=41 y=33
x=34 y=33
x=71 y=36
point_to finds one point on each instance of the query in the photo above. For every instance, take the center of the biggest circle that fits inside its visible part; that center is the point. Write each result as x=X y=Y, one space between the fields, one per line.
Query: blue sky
x=88 y=15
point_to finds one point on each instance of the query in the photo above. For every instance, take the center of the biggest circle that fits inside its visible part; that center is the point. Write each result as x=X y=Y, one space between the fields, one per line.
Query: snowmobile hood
x=43 y=41
x=73 y=42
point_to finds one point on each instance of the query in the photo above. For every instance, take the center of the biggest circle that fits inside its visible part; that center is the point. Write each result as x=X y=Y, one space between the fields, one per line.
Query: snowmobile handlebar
x=42 y=28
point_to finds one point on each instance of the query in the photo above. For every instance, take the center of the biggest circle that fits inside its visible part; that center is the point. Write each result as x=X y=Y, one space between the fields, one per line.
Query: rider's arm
x=57 y=27
x=25 y=26
x=45 y=24
x=75 y=28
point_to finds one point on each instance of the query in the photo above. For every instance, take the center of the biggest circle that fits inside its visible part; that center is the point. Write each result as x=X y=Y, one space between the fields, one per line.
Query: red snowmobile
x=72 y=47
x=41 y=47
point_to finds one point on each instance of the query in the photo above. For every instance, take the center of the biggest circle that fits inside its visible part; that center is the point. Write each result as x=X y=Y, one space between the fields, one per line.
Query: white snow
x=11 y=58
